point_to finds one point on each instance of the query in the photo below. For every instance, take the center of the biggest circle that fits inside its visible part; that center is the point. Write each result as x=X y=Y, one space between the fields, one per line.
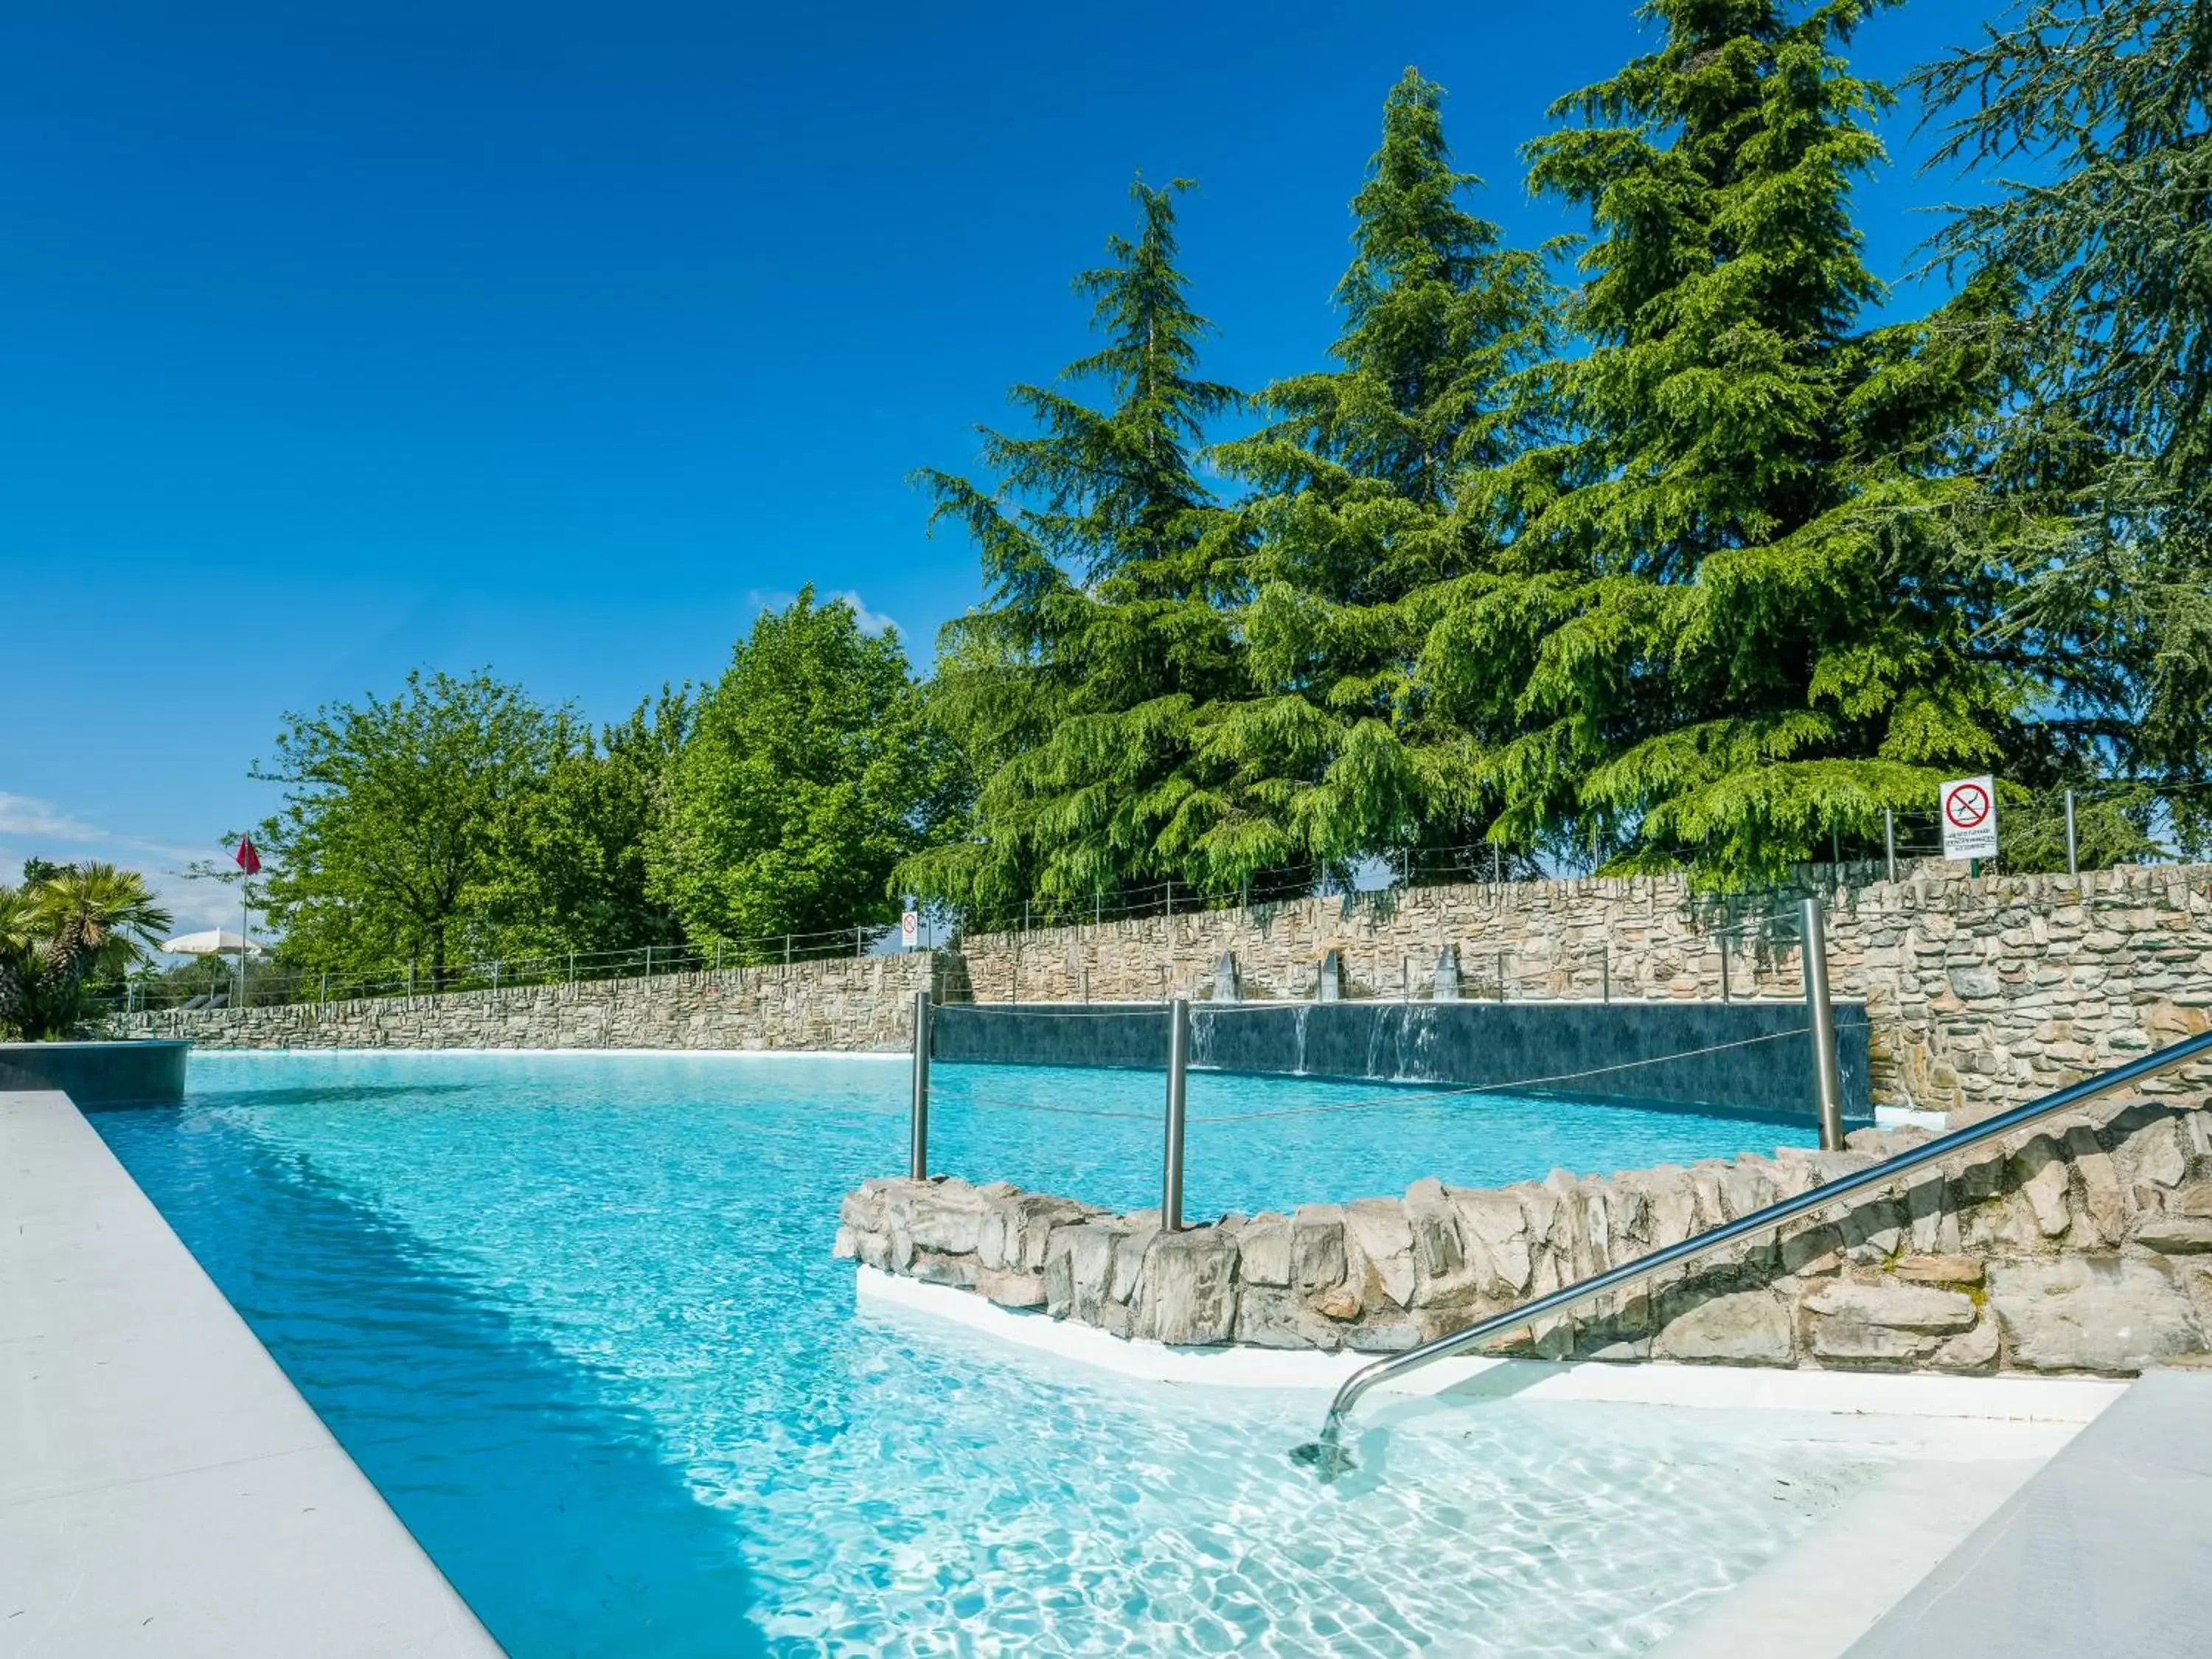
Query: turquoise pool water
x=577 y=1317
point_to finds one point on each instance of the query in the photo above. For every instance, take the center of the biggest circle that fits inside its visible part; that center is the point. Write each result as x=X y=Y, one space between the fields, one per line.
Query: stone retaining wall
x=2081 y=1245
x=860 y=1004
x=1981 y=991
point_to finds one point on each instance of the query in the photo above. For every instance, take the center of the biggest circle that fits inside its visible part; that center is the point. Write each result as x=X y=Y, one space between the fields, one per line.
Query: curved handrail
x=1327 y=1452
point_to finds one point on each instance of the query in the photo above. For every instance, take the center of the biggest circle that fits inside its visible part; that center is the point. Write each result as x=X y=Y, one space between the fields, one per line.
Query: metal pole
x=1889 y=840
x=787 y=950
x=1501 y=976
x=1171 y=1163
x=325 y=995
x=1497 y=864
x=1605 y=975
x=571 y=967
x=917 y=1155
x=2073 y=853
x=1724 y=956
x=1827 y=1086
x=243 y=934
x=718 y=956
x=860 y=948
x=494 y=974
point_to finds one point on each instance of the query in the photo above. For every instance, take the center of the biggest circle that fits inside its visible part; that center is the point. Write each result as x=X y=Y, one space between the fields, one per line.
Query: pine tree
x=1759 y=569
x=2110 y=249
x=1074 y=687
x=1371 y=486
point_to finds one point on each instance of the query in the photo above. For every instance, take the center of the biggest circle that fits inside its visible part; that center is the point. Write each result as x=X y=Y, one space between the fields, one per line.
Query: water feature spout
x=1447 y=978
x=1332 y=979
x=1224 y=978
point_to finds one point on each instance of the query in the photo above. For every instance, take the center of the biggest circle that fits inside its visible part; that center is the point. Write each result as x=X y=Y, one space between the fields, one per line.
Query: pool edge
x=157 y=1468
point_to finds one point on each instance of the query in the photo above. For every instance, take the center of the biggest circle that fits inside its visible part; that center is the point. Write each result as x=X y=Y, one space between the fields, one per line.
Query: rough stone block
x=1379 y=1231
x=1189 y=1291
x=1939 y=1270
x=1746 y=1327
x=1317 y=1259
x=2174 y=1235
x=1011 y=1290
x=1264 y=1248
x=2086 y=1314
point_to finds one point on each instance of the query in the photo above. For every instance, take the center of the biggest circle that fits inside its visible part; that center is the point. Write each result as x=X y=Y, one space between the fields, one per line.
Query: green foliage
x=1755 y=586
x=387 y=848
x=2108 y=103
x=1075 y=689
x=809 y=771
x=568 y=868
x=65 y=929
x=1374 y=484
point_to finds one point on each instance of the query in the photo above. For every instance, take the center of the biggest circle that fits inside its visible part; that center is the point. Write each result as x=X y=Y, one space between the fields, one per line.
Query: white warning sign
x=910 y=929
x=1968 y=811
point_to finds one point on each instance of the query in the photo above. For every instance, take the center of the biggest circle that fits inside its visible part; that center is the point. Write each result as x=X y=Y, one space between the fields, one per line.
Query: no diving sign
x=1968 y=812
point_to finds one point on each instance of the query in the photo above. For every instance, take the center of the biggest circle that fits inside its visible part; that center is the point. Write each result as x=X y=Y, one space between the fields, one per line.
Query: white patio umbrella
x=211 y=942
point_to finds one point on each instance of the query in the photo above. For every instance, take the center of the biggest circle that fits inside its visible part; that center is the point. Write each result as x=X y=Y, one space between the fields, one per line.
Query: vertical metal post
x=787 y=950
x=1497 y=864
x=648 y=962
x=718 y=956
x=1501 y=976
x=2073 y=852
x=1171 y=1163
x=1724 y=956
x=1827 y=1085
x=1026 y=915
x=1889 y=840
x=1097 y=906
x=1605 y=974
x=917 y=1155
x=410 y=976
x=325 y=995
x=860 y=949
x=571 y=967
x=494 y=973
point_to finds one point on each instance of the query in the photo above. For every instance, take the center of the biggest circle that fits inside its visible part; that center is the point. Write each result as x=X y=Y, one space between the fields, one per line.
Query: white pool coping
x=2068 y=1401
x=163 y=1487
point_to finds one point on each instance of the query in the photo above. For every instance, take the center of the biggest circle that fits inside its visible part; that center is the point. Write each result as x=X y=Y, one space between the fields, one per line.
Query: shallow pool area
x=577 y=1317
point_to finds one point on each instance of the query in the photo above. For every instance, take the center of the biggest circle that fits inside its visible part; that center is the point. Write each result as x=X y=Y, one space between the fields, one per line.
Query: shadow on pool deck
x=568 y=1534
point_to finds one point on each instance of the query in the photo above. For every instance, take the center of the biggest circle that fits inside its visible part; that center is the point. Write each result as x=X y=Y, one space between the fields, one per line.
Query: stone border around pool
x=2081 y=1245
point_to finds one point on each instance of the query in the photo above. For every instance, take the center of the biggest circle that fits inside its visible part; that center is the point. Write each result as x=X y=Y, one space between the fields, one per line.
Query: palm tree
x=67 y=926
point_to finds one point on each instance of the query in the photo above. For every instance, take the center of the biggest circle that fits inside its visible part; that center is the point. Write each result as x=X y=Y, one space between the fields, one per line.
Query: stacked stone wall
x=2081 y=1245
x=1981 y=992
x=861 y=1004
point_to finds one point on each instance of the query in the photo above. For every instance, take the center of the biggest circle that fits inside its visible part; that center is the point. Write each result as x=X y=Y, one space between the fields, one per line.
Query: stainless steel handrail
x=1326 y=1453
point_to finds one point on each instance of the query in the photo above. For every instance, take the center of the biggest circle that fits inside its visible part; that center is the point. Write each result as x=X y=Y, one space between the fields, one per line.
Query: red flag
x=249 y=860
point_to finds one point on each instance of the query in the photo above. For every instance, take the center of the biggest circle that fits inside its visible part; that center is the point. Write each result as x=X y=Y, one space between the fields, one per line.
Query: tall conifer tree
x=1759 y=568
x=2110 y=102
x=1075 y=686
x=1373 y=484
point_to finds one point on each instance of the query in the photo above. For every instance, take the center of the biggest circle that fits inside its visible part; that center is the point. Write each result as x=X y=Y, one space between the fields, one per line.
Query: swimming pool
x=577 y=1316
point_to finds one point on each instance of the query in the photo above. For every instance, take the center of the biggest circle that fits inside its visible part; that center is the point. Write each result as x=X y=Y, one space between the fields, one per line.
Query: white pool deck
x=164 y=1490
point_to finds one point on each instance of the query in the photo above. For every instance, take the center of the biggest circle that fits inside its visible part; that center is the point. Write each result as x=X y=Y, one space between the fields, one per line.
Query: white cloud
x=871 y=621
x=22 y=815
x=874 y=621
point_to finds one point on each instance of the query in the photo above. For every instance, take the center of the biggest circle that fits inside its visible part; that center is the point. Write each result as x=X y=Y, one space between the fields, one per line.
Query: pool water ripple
x=577 y=1317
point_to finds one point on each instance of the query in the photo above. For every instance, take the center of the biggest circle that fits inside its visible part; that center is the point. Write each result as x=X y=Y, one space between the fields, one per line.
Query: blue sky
x=345 y=338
